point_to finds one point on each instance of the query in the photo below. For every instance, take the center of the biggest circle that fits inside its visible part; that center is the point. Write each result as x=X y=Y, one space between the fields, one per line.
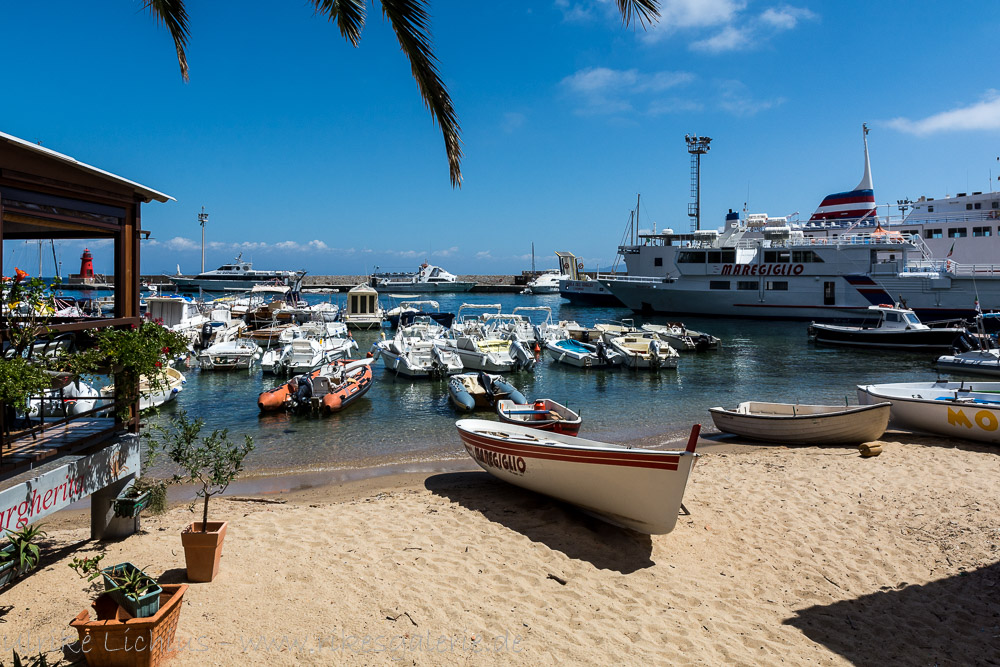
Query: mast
x=202 y=220
x=532 y=259
x=635 y=220
x=55 y=261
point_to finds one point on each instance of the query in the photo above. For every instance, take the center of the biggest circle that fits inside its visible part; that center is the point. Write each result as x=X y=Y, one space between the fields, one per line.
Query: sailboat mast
x=635 y=220
x=55 y=260
x=532 y=259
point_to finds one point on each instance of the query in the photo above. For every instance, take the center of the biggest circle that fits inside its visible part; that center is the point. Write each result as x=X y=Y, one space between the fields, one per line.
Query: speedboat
x=792 y=423
x=639 y=489
x=333 y=388
x=957 y=409
x=643 y=350
x=415 y=351
x=154 y=393
x=495 y=355
x=583 y=355
x=238 y=274
x=977 y=362
x=428 y=278
x=546 y=283
x=897 y=329
x=542 y=414
x=231 y=354
x=301 y=355
x=683 y=339
x=469 y=391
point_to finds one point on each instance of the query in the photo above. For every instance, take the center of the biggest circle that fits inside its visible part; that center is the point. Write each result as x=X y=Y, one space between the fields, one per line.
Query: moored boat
x=792 y=423
x=956 y=409
x=229 y=355
x=683 y=339
x=330 y=388
x=976 y=362
x=238 y=274
x=583 y=355
x=428 y=278
x=543 y=414
x=640 y=489
x=897 y=329
x=643 y=350
x=470 y=391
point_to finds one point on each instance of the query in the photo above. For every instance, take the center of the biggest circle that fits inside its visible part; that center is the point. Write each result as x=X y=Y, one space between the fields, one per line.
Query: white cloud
x=983 y=115
x=602 y=90
x=730 y=38
x=316 y=244
x=181 y=243
x=447 y=252
x=484 y=254
x=287 y=245
x=785 y=17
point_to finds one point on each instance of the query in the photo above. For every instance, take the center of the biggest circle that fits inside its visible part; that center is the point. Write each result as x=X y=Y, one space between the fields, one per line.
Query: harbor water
x=401 y=421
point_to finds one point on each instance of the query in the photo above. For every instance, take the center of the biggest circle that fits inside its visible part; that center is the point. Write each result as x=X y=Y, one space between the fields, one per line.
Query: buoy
x=870 y=450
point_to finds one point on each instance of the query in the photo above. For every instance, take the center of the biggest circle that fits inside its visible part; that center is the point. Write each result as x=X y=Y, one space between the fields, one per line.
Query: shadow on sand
x=949 y=621
x=559 y=526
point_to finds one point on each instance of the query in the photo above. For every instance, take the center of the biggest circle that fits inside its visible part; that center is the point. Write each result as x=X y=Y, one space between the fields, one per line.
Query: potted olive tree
x=211 y=463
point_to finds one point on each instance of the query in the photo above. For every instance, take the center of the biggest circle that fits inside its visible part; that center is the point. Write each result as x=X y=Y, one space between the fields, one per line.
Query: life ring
x=579 y=265
x=885 y=305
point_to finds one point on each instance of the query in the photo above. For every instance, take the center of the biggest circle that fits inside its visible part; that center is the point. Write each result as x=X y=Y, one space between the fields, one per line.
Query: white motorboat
x=415 y=352
x=428 y=278
x=301 y=355
x=180 y=314
x=643 y=350
x=155 y=394
x=71 y=398
x=583 y=355
x=639 y=489
x=408 y=309
x=792 y=423
x=494 y=355
x=472 y=318
x=221 y=327
x=546 y=283
x=896 y=329
x=683 y=339
x=229 y=355
x=955 y=409
x=976 y=362
x=363 y=309
x=238 y=274
x=571 y=329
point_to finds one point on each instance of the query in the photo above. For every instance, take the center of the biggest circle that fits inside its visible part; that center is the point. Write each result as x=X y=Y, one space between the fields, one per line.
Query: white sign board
x=52 y=491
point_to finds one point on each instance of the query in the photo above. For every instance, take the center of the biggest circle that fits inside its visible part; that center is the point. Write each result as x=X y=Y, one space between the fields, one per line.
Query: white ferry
x=428 y=278
x=238 y=275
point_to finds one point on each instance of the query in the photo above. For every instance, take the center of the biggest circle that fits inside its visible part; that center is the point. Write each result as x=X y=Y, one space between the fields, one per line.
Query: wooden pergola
x=47 y=195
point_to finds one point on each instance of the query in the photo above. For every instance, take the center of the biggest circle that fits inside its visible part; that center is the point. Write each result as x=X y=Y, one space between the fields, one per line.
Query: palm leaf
x=173 y=14
x=647 y=11
x=411 y=22
x=348 y=14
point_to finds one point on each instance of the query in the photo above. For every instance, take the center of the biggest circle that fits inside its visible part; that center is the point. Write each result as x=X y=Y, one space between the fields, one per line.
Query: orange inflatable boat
x=335 y=385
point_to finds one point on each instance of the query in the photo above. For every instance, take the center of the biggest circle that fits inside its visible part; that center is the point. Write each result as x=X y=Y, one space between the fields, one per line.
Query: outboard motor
x=654 y=353
x=602 y=351
x=207 y=330
x=487 y=383
x=521 y=356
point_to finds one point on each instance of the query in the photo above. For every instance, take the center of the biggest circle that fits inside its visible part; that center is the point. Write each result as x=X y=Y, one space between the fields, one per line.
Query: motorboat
x=793 y=423
x=331 y=388
x=955 y=409
x=683 y=339
x=581 y=289
x=519 y=325
x=329 y=342
x=221 y=327
x=415 y=352
x=643 y=350
x=229 y=355
x=180 y=314
x=546 y=283
x=363 y=309
x=471 y=391
x=576 y=331
x=268 y=336
x=153 y=394
x=301 y=355
x=976 y=362
x=542 y=414
x=495 y=355
x=238 y=274
x=472 y=318
x=639 y=489
x=407 y=310
x=427 y=278
x=898 y=328
x=583 y=355
x=66 y=398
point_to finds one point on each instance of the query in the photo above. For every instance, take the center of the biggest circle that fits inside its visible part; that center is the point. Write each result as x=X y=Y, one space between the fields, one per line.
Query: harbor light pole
x=697 y=146
x=202 y=220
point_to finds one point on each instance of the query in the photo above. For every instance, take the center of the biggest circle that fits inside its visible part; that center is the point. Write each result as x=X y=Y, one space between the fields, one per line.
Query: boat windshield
x=911 y=318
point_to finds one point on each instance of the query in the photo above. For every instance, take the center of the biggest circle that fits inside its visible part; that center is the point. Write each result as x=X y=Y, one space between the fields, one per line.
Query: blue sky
x=310 y=154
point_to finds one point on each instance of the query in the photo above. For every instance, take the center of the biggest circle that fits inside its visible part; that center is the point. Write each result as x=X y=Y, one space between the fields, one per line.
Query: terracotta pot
x=203 y=550
x=116 y=639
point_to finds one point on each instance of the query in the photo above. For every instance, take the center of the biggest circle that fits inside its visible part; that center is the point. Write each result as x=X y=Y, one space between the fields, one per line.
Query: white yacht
x=546 y=283
x=238 y=275
x=428 y=278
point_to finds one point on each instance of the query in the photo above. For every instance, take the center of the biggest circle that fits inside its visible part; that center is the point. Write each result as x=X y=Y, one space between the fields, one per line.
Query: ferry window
x=957 y=233
x=657 y=261
x=805 y=256
x=747 y=285
x=718 y=284
x=691 y=257
x=773 y=256
x=729 y=256
x=932 y=233
x=977 y=205
x=996 y=204
x=829 y=293
x=714 y=256
x=779 y=285
x=968 y=207
x=981 y=231
x=930 y=209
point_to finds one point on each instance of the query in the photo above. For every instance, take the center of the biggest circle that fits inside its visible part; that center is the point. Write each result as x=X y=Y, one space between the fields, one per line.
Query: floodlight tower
x=202 y=220
x=697 y=146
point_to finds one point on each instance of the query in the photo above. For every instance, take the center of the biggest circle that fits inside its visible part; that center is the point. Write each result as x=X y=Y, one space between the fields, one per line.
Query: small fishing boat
x=583 y=355
x=576 y=331
x=229 y=355
x=957 y=409
x=791 y=423
x=639 y=489
x=469 y=391
x=494 y=355
x=542 y=414
x=976 y=362
x=334 y=387
x=643 y=350
x=897 y=329
x=683 y=339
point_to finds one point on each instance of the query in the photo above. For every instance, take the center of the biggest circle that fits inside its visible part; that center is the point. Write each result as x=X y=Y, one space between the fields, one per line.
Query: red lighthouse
x=86 y=264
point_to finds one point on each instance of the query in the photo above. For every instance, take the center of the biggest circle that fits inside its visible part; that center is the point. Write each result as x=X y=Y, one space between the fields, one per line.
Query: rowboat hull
x=542 y=415
x=786 y=423
x=639 y=489
x=956 y=409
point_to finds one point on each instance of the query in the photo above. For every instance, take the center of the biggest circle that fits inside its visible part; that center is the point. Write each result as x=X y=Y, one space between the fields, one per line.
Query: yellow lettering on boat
x=958 y=418
x=987 y=420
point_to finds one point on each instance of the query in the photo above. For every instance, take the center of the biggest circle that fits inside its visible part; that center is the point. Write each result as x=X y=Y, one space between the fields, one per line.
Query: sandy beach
x=789 y=555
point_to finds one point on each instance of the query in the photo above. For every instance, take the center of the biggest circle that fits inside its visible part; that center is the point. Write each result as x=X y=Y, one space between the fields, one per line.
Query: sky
x=310 y=154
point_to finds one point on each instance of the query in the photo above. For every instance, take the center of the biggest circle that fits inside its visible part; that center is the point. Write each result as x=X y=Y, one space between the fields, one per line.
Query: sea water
x=401 y=420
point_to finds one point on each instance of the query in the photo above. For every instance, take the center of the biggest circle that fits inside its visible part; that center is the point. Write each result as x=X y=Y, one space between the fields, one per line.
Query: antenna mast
x=697 y=146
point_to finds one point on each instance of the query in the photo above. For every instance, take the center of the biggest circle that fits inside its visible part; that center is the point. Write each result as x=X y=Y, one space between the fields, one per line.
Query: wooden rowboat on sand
x=790 y=423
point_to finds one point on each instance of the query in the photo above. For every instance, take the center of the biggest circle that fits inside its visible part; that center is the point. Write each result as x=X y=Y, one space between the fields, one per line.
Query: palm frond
x=411 y=22
x=348 y=14
x=648 y=11
x=173 y=14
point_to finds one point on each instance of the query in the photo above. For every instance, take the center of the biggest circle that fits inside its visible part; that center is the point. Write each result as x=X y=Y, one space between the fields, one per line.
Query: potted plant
x=211 y=463
x=143 y=494
x=134 y=590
